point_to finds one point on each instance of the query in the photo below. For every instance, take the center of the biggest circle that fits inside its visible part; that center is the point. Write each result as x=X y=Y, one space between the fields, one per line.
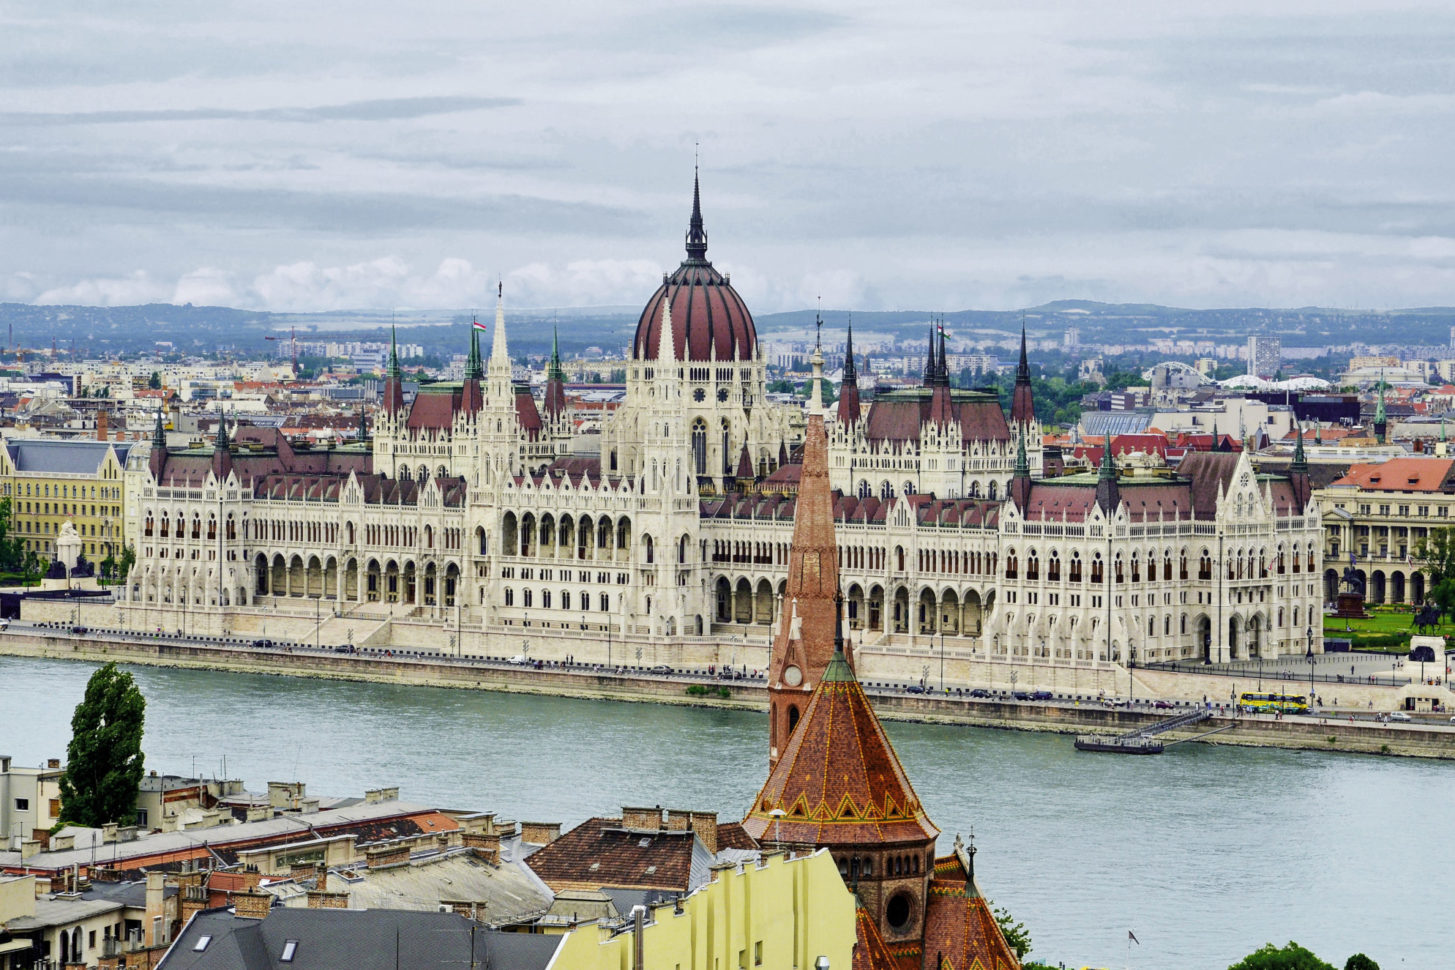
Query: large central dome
x=709 y=319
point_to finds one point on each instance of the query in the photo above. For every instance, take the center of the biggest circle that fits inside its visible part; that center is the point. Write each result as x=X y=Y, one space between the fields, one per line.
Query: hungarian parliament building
x=476 y=509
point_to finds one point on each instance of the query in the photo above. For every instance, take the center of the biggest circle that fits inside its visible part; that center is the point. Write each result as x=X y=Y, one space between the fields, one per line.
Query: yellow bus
x=1254 y=702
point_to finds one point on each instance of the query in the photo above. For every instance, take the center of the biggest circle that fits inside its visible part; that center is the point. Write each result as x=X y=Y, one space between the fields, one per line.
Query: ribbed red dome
x=708 y=316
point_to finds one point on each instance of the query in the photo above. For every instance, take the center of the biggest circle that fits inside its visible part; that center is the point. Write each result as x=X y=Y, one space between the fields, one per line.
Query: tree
x=1360 y=962
x=104 y=762
x=12 y=549
x=155 y=381
x=1290 y=957
x=1017 y=937
x=1436 y=556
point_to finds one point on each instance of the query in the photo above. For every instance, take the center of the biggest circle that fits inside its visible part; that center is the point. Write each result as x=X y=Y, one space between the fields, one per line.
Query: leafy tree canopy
x=1016 y=934
x=104 y=761
x=1360 y=962
x=1290 y=957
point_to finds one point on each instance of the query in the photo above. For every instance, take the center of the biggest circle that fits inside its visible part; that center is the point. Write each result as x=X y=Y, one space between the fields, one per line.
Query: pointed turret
x=1022 y=402
x=804 y=640
x=471 y=398
x=394 y=382
x=848 y=411
x=745 y=467
x=1298 y=472
x=1381 y=424
x=555 y=398
x=666 y=340
x=931 y=371
x=1020 y=482
x=158 y=460
x=1108 y=496
x=363 y=424
x=221 y=449
x=944 y=365
x=696 y=234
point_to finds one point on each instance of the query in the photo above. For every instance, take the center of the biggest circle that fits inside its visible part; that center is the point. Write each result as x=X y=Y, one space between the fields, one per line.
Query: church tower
x=804 y=642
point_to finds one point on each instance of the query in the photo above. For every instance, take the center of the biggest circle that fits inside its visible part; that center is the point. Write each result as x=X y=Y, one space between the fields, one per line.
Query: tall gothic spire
x=944 y=365
x=696 y=235
x=555 y=397
x=159 y=434
x=474 y=366
x=394 y=383
x=1022 y=402
x=1108 y=496
x=930 y=369
x=848 y=408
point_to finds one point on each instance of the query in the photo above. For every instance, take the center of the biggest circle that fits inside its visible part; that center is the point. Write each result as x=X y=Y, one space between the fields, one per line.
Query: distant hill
x=103 y=330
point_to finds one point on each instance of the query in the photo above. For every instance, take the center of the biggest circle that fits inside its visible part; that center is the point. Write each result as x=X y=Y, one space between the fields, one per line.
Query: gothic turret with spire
x=1108 y=495
x=848 y=412
x=394 y=381
x=555 y=397
x=1022 y=403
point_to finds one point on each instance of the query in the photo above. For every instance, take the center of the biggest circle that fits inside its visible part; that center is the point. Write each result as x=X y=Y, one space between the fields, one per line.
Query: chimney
x=649 y=819
x=259 y=813
x=639 y=949
x=108 y=833
x=251 y=905
x=540 y=833
x=102 y=418
x=53 y=763
x=704 y=824
x=156 y=913
x=62 y=843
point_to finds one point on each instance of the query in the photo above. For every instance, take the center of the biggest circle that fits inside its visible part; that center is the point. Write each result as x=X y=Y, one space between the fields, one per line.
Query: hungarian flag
x=477 y=325
x=1133 y=937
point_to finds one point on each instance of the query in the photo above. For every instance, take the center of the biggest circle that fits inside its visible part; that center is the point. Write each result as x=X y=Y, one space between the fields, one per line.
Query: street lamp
x=1131 y=662
x=1309 y=656
x=942 y=658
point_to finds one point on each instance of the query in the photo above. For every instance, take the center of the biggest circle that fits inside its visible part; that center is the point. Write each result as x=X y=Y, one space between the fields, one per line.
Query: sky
x=986 y=154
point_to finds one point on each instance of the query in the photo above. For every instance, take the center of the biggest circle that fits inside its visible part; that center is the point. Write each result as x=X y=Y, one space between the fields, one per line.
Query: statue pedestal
x=1350 y=606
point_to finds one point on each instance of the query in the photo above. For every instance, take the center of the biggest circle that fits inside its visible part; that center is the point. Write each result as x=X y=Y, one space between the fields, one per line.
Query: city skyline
x=989 y=158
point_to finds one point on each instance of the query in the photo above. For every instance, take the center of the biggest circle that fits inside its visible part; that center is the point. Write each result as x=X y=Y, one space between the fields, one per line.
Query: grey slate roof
x=375 y=939
x=62 y=457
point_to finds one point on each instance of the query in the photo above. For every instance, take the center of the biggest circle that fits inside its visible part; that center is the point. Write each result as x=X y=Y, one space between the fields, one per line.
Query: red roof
x=1403 y=475
x=839 y=781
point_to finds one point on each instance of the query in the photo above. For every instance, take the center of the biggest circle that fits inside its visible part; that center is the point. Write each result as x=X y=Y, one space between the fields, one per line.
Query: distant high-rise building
x=1265 y=355
x=1071 y=339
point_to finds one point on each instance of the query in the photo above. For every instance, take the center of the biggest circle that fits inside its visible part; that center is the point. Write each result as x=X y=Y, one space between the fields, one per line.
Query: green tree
x=1435 y=555
x=155 y=381
x=1017 y=937
x=1360 y=962
x=104 y=762
x=1290 y=957
x=12 y=548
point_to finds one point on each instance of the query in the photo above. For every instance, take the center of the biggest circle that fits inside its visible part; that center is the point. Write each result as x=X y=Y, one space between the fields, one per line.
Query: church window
x=897 y=912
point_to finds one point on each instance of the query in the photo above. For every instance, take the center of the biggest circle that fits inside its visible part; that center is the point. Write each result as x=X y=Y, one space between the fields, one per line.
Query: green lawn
x=1386 y=629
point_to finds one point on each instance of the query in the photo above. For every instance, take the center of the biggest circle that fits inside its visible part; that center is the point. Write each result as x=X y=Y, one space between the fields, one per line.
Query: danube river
x=1205 y=852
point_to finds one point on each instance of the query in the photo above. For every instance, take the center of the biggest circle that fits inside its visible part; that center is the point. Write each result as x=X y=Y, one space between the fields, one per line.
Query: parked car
x=1041 y=695
x=914 y=689
x=660 y=669
x=1021 y=695
x=518 y=659
x=262 y=644
x=1162 y=706
x=982 y=692
x=78 y=629
x=1397 y=716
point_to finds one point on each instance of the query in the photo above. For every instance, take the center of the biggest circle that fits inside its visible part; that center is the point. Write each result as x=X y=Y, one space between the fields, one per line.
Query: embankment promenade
x=1427 y=737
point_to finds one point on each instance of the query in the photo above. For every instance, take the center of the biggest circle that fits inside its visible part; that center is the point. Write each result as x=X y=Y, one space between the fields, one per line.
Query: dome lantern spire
x=696 y=234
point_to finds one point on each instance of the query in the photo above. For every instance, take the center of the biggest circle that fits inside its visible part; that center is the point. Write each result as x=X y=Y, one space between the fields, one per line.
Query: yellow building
x=780 y=912
x=51 y=481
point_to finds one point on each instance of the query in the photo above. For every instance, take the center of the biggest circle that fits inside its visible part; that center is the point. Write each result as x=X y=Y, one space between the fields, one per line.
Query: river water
x=1206 y=853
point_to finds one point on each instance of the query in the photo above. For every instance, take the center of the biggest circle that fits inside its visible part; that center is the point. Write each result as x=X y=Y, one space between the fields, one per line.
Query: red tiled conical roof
x=839 y=781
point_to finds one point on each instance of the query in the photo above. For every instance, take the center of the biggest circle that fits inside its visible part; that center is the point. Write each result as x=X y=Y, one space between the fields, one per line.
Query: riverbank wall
x=1422 y=739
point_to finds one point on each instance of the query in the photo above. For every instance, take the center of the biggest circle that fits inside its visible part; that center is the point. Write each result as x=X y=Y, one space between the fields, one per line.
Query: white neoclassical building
x=470 y=510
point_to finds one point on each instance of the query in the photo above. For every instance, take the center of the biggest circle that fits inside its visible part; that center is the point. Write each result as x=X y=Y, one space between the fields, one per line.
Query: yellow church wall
x=779 y=913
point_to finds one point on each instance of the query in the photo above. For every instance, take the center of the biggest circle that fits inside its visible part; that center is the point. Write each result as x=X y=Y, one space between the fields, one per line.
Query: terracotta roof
x=959 y=925
x=899 y=415
x=600 y=852
x=839 y=781
x=870 y=952
x=1403 y=475
x=434 y=408
x=526 y=414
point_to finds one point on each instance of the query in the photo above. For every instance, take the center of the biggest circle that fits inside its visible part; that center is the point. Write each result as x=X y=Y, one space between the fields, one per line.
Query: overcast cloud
x=919 y=155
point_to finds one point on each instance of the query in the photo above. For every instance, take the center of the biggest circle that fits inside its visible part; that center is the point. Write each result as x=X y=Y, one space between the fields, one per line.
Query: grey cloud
x=240 y=208
x=381 y=109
